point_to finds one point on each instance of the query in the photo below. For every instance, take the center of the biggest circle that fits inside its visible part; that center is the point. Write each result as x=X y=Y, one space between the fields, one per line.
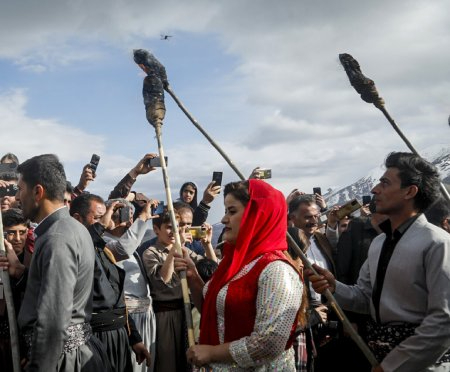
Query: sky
x=263 y=78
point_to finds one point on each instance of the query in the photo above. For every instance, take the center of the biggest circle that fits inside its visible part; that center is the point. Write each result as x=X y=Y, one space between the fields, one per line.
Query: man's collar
x=49 y=219
x=386 y=227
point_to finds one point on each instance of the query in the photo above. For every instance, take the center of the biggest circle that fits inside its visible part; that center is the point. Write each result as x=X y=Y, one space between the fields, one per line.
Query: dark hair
x=13 y=217
x=164 y=217
x=239 y=190
x=47 y=171
x=206 y=268
x=9 y=156
x=8 y=172
x=181 y=205
x=69 y=187
x=414 y=170
x=438 y=211
x=301 y=199
x=82 y=204
x=300 y=238
x=193 y=203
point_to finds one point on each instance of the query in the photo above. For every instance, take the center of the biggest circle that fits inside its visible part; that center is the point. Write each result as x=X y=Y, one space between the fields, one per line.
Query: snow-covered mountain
x=437 y=155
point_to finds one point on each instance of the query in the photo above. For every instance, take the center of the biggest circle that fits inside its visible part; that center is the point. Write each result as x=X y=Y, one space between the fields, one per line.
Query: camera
x=156 y=162
x=124 y=214
x=10 y=190
x=347 y=209
x=264 y=173
x=197 y=232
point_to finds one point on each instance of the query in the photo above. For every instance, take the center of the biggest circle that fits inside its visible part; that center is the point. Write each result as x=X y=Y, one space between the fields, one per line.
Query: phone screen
x=217 y=178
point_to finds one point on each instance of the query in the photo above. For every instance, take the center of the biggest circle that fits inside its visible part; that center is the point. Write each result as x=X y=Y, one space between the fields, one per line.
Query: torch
x=155 y=110
x=366 y=88
x=148 y=62
x=151 y=65
x=13 y=333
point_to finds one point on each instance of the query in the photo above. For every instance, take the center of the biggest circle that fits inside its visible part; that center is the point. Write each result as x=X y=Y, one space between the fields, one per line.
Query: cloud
x=284 y=103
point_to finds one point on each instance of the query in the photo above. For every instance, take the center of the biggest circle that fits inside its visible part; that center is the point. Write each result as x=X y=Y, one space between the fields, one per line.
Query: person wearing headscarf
x=251 y=305
x=188 y=195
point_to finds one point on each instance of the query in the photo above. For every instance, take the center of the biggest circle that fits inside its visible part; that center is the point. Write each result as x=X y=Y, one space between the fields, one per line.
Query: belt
x=77 y=335
x=160 y=306
x=109 y=320
x=383 y=338
x=138 y=305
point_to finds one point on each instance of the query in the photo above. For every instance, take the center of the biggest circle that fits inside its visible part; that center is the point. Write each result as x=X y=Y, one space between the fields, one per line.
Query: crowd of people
x=96 y=282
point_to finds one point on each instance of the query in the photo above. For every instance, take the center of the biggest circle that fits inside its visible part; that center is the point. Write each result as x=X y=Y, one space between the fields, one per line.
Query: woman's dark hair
x=193 y=203
x=300 y=239
x=13 y=217
x=239 y=190
x=414 y=170
x=47 y=171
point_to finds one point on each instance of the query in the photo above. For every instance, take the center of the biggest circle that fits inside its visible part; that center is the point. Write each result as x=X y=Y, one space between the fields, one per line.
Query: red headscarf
x=263 y=229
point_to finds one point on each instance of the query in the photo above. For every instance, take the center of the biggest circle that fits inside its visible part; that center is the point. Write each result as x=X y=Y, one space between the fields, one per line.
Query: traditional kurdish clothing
x=57 y=305
x=415 y=295
x=136 y=288
x=171 y=343
x=253 y=299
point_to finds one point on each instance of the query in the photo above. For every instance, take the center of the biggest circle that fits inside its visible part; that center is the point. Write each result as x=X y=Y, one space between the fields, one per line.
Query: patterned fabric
x=300 y=352
x=383 y=338
x=262 y=229
x=264 y=350
x=77 y=335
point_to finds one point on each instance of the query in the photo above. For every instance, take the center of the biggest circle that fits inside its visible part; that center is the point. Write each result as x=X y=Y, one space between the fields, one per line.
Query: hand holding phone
x=159 y=209
x=93 y=164
x=347 y=209
x=124 y=214
x=156 y=162
x=217 y=178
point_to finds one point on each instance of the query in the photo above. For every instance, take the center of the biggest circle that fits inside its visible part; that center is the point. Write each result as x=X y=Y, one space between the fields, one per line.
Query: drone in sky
x=165 y=37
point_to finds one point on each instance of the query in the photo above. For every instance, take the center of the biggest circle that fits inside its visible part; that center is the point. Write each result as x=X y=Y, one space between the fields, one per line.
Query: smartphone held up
x=93 y=164
x=197 y=232
x=156 y=162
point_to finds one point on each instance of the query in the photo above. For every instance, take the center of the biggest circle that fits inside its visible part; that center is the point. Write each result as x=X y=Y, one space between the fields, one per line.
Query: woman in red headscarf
x=251 y=305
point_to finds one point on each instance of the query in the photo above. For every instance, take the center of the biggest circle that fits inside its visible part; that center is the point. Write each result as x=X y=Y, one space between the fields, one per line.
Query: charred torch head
x=362 y=84
x=150 y=65
x=153 y=93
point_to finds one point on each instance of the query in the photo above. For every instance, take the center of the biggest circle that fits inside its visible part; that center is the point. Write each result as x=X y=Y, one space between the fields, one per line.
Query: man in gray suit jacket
x=405 y=282
x=57 y=305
